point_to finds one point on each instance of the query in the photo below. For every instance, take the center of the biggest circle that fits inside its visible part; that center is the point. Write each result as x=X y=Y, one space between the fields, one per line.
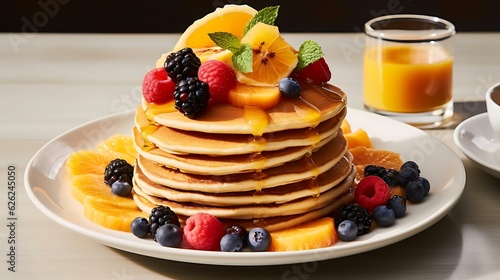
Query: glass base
x=424 y=120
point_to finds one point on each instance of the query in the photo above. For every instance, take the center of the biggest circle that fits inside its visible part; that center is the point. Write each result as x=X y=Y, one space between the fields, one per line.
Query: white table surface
x=50 y=83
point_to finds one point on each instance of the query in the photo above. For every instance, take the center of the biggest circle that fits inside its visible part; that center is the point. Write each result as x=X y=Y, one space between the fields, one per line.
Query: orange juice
x=407 y=78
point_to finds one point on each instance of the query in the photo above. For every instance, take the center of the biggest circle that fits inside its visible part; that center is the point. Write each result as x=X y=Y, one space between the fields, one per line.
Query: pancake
x=271 y=223
x=316 y=104
x=177 y=141
x=276 y=195
x=304 y=168
x=297 y=206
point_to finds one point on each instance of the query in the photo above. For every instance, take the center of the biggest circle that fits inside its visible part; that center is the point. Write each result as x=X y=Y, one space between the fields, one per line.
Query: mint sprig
x=267 y=15
x=309 y=52
x=242 y=53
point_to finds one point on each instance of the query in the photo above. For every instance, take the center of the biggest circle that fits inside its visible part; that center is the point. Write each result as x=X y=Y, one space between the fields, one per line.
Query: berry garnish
x=372 y=191
x=191 y=97
x=347 y=230
x=159 y=216
x=204 y=232
x=231 y=242
x=415 y=191
x=398 y=204
x=121 y=188
x=406 y=175
x=259 y=239
x=169 y=235
x=220 y=79
x=182 y=64
x=290 y=87
x=425 y=183
x=139 y=227
x=357 y=214
x=410 y=164
x=157 y=87
x=318 y=71
x=118 y=170
x=239 y=230
x=384 y=216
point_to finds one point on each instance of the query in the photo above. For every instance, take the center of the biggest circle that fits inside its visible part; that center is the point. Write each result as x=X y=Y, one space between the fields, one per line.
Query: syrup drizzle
x=257 y=118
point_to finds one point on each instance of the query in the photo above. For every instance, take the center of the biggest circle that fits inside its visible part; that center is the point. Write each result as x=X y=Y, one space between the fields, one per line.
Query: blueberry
x=258 y=239
x=290 y=87
x=411 y=164
x=169 y=235
x=406 y=175
x=415 y=192
x=231 y=242
x=384 y=216
x=390 y=177
x=139 y=227
x=121 y=188
x=347 y=230
x=425 y=183
x=239 y=230
x=398 y=205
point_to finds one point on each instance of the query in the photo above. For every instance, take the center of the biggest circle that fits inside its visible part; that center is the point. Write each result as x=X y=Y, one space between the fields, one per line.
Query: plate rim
x=246 y=258
x=458 y=139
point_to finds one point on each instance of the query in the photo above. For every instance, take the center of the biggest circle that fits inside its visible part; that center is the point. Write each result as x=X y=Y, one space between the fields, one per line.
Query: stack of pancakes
x=274 y=169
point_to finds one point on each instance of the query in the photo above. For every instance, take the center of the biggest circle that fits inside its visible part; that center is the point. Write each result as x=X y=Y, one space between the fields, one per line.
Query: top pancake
x=316 y=104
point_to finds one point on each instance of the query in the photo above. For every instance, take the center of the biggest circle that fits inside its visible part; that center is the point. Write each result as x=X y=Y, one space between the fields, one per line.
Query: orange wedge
x=230 y=18
x=345 y=126
x=315 y=234
x=358 y=138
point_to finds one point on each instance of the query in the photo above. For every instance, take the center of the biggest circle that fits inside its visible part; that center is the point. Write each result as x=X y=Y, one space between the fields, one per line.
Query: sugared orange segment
x=118 y=146
x=315 y=234
x=363 y=156
x=245 y=95
x=85 y=162
x=358 y=138
x=230 y=18
x=110 y=215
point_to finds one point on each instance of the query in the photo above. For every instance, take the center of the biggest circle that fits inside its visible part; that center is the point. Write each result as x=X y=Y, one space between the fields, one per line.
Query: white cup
x=493 y=107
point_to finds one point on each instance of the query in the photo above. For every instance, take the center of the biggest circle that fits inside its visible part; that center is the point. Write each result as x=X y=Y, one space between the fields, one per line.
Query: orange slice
x=315 y=234
x=273 y=58
x=85 y=162
x=109 y=215
x=118 y=146
x=358 y=138
x=230 y=18
x=363 y=156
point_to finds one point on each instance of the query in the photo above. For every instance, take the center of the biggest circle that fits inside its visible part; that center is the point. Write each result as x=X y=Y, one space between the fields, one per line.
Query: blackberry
x=191 y=97
x=374 y=170
x=355 y=213
x=118 y=170
x=182 y=64
x=159 y=216
x=390 y=177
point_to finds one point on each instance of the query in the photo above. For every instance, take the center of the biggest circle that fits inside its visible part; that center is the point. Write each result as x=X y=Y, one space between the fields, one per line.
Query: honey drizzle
x=256 y=118
x=309 y=113
x=151 y=111
x=313 y=182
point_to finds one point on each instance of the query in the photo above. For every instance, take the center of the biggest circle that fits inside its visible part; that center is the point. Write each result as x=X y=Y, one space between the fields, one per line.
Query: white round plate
x=475 y=139
x=48 y=189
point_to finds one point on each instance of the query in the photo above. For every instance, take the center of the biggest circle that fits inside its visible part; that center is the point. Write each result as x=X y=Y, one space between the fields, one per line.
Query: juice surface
x=407 y=78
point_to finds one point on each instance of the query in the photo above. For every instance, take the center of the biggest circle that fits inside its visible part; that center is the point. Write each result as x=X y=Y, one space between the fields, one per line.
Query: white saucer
x=475 y=139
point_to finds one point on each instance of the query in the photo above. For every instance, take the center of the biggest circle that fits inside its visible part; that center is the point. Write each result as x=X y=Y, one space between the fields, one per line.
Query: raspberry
x=204 y=232
x=157 y=87
x=372 y=191
x=220 y=79
x=317 y=71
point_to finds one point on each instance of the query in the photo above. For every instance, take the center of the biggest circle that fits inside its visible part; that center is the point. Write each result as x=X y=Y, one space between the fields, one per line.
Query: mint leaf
x=267 y=15
x=309 y=52
x=226 y=41
x=242 y=59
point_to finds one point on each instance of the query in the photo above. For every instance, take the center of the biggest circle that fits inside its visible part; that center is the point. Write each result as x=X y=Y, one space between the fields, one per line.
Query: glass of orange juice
x=408 y=67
